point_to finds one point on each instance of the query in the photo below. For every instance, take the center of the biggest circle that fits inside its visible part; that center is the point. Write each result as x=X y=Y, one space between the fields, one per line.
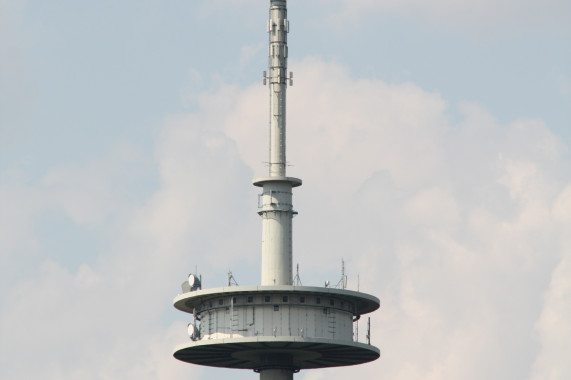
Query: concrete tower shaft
x=276 y=374
x=277 y=213
x=278 y=28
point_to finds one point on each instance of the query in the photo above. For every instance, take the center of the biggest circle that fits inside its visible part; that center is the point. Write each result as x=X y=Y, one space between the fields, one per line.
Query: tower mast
x=278 y=29
x=278 y=328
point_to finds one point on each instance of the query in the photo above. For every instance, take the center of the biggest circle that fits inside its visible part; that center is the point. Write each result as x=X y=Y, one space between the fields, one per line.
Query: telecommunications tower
x=277 y=328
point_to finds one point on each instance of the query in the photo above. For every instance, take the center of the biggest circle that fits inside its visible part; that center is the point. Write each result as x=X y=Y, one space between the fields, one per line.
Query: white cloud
x=86 y=325
x=553 y=326
x=337 y=130
x=451 y=225
x=562 y=207
x=458 y=228
x=103 y=320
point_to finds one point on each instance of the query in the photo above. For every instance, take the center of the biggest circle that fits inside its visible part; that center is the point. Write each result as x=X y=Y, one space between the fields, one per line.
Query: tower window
x=301 y=299
x=220 y=301
x=331 y=302
x=250 y=299
x=284 y=299
x=276 y=307
x=267 y=298
x=318 y=300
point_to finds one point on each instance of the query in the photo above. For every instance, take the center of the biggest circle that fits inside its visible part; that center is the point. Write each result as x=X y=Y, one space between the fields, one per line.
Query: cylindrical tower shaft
x=277 y=213
x=278 y=28
x=276 y=374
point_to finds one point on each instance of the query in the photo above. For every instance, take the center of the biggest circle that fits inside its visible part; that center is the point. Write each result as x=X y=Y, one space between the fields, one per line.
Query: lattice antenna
x=231 y=279
x=297 y=279
x=342 y=284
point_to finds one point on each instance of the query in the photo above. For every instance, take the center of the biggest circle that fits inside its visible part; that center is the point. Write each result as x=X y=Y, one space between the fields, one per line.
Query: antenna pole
x=369 y=330
x=278 y=28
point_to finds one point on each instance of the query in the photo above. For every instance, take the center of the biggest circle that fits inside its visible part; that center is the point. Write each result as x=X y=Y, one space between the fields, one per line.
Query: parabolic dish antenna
x=192 y=331
x=193 y=281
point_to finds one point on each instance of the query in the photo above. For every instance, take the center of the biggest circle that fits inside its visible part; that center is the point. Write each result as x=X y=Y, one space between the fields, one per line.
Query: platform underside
x=253 y=353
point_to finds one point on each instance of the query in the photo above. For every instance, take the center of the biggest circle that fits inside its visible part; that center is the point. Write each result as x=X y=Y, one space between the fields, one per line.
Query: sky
x=433 y=139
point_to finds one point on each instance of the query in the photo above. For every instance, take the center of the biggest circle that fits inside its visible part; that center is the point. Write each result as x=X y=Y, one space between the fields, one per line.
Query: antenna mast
x=278 y=28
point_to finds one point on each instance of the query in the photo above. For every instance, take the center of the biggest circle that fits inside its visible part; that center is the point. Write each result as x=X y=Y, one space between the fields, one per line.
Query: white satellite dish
x=192 y=331
x=193 y=282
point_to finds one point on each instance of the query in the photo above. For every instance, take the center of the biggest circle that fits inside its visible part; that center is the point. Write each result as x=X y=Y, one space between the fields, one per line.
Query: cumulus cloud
x=459 y=229
x=553 y=325
x=104 y=318
x=450 y=224
x=88 y=325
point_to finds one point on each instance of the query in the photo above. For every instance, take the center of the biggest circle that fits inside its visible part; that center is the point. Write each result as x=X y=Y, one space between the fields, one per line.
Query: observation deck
x=251 y=327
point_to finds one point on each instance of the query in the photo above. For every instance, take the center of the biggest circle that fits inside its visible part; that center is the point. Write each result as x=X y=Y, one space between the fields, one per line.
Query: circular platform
x=294 y=182
x=256 y=353
x=364 y=303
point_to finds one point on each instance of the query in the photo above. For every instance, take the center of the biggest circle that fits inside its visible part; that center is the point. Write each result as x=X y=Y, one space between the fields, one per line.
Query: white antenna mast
x=278 y=28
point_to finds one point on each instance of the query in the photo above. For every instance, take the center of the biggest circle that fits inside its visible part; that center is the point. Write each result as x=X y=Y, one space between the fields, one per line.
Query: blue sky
x=432 y=137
